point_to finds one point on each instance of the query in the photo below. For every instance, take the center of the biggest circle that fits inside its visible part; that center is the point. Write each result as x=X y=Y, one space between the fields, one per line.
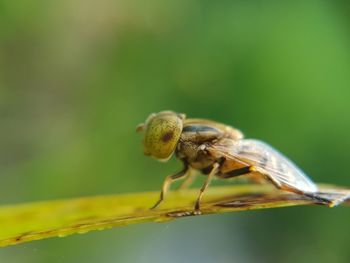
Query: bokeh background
x=77 y=76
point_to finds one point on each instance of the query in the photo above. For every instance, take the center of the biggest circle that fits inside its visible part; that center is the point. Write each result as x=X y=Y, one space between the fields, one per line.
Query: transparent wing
x=267 y=161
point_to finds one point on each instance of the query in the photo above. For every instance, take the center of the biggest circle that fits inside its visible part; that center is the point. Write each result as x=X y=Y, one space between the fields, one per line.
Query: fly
x=219 y=150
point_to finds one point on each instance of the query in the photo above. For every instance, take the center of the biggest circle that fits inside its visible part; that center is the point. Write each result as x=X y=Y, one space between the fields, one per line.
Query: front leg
x=167 y=182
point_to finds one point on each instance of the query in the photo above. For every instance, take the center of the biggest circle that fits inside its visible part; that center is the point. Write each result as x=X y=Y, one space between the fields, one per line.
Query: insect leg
x=237 y=172
x=167 y=182
x=188 y=181
x=205 y=186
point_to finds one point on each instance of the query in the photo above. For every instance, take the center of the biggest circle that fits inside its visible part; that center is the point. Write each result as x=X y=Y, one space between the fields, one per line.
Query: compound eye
x=162 y=134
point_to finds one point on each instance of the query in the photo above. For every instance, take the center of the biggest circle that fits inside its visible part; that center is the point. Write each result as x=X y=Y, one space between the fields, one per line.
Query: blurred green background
x=77 y=76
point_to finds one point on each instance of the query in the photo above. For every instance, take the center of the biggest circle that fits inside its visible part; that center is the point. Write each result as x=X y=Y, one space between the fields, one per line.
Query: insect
x=218 y=150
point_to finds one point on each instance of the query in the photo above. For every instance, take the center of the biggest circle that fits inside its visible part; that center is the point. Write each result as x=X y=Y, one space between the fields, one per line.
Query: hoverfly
x=218 y=150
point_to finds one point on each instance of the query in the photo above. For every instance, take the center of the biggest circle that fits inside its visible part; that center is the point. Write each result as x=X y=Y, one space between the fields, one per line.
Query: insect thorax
x=190 y=147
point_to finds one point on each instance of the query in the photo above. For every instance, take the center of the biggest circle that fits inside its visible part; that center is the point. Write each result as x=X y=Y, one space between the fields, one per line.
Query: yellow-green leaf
x=34 y=221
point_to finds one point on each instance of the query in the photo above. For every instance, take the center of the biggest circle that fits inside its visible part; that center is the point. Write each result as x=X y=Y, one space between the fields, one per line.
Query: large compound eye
x=162 y=133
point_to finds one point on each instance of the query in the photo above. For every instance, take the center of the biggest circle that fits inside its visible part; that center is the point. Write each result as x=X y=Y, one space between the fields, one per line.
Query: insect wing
x=267 y=161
